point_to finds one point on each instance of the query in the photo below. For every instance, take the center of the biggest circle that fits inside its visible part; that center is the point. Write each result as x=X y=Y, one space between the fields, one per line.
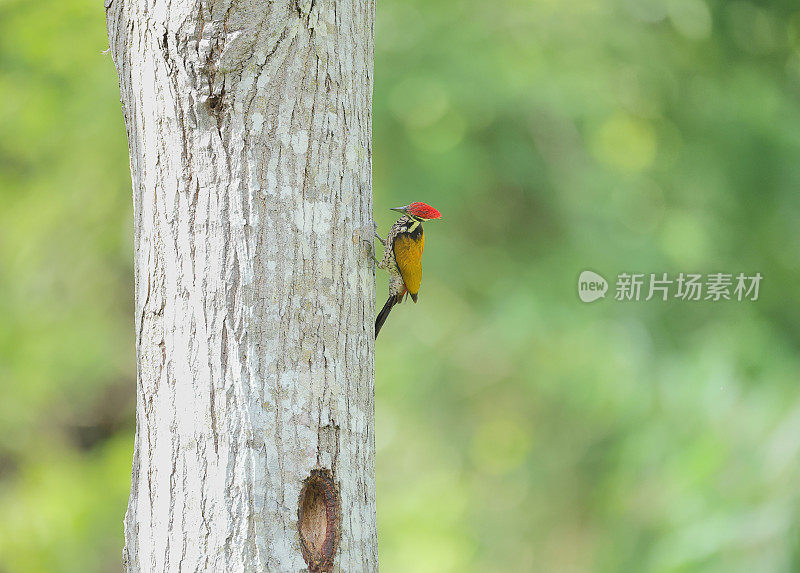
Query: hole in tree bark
x=318 y=520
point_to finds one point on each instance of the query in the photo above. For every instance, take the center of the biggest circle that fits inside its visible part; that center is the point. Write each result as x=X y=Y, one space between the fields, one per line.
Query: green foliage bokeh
x=518 y=429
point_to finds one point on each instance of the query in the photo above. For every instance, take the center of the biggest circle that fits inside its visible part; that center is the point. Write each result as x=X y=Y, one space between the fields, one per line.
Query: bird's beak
x=400 y=209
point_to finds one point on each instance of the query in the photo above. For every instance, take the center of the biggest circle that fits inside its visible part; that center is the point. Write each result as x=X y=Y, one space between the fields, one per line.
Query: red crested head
x=420 y=210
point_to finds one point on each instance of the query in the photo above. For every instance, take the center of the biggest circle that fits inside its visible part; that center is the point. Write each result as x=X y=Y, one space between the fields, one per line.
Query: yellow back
x=408 y=254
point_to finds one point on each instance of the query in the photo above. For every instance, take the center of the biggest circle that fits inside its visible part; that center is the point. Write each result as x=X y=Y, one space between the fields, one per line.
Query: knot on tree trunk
x=318 y=519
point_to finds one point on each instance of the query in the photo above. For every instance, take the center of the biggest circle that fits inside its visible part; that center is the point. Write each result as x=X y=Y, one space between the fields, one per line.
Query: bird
x=402 y=256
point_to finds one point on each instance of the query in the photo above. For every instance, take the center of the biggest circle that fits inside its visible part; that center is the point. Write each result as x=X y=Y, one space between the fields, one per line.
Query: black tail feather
x=384 y=313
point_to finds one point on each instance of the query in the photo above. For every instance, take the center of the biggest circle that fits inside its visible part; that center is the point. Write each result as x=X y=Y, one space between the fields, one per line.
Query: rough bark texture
x=249 y=126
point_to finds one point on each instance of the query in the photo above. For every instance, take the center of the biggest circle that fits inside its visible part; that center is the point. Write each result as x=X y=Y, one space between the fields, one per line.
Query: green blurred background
x=518 y=429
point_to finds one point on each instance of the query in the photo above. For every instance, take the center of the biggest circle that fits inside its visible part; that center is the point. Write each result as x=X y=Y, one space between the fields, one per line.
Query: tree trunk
x=249 y=127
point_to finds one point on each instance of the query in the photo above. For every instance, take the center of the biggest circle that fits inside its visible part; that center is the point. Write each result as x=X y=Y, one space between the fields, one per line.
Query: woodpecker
x=402 y=256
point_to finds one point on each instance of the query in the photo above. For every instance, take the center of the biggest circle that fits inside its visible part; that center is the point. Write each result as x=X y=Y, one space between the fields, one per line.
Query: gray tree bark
x=249 y=128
